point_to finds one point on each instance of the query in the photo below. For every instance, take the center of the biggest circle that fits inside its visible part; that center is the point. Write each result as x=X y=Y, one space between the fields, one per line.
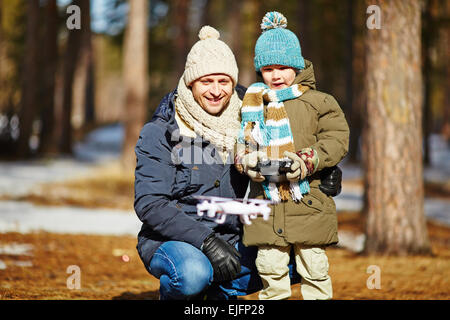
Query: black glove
x=330 y=181
x=224 y=258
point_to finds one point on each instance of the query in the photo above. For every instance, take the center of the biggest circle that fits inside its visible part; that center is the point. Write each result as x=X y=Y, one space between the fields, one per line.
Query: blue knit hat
x=276 y=44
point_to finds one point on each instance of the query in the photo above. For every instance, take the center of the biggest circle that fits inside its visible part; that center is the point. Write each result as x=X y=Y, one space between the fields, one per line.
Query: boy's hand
x=298 y=167
x=249 y=161
x=310 y=158
x=305 y=163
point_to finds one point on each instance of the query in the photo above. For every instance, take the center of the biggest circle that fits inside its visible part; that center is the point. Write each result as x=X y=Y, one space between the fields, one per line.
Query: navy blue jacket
x=168 y=174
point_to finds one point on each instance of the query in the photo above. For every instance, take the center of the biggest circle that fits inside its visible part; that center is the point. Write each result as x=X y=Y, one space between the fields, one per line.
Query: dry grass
x=108 y=187
x=104 y=275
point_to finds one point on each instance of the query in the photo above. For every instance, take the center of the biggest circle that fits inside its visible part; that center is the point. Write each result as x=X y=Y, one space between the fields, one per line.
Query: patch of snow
x=23 y=264
x=438 y=210
x=437 y=171
x=349 y=201
x=439 y=154
x=100 y=145
x=21 y=177
x=16 y=249
x=351 y=241
x=435 y=209
x=25 y=217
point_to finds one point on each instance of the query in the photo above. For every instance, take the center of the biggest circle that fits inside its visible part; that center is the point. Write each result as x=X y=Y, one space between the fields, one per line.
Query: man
x=184 y=151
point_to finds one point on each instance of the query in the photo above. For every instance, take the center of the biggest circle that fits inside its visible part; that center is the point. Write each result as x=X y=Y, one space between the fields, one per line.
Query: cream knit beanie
x=210 y=55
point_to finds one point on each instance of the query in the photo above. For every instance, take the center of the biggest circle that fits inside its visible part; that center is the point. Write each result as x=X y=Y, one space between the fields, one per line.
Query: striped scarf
x=268 y=129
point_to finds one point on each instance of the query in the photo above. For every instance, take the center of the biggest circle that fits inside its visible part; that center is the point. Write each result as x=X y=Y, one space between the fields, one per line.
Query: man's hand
x=249 y=161
x=331 y=181
x=224 y=258
x=298 y=168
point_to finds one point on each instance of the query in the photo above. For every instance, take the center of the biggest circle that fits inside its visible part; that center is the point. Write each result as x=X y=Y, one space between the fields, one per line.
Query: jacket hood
x=166 y=108
x=306 y=77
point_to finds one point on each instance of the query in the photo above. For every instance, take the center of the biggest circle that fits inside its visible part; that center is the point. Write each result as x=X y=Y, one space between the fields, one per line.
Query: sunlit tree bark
x=393 y=142
x=135 y=68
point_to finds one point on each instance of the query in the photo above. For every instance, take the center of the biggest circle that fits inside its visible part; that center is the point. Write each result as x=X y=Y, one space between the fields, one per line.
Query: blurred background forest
x=56 y=84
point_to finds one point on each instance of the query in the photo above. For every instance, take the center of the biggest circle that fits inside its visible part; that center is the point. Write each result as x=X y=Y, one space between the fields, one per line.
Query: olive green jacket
x=318 y=122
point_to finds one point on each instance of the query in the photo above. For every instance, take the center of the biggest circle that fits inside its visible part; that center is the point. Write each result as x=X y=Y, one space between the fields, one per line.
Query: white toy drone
x=220 y=207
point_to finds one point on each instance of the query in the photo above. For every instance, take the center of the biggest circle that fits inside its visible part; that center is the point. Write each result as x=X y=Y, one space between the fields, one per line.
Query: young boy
x=287 y=118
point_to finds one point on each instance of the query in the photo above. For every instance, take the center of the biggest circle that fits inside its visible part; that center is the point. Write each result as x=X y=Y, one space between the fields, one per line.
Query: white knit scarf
x=220 y=130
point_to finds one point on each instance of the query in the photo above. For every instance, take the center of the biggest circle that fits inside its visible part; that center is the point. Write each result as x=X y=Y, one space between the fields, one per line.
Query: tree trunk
x=249 y=34
x=28 y=109
x=181 y=10
x=83 y=105
x=428 y=32
x=305 y=30
x=70 y=63
x=1 y=40
x=445 y=128
x=358 y=100
x=349 y=72
x=135 y=69
x=47 y=136
x=393 y=158
x=206 y=17
x=2 y=56
x=233 y=26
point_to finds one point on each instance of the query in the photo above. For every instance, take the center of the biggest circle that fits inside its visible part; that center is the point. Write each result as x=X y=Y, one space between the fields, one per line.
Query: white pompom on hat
x=210 y=55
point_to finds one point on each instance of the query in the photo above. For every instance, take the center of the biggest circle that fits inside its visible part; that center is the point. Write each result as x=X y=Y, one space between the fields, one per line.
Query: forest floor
x=110 y=268
x=34 y=265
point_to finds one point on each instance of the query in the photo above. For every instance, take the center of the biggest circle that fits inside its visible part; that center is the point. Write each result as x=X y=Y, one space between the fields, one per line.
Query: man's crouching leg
x=184 y=271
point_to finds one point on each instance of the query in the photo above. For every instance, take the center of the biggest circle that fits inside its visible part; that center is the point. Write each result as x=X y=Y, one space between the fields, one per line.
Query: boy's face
x=213 y=92
x=277 y=76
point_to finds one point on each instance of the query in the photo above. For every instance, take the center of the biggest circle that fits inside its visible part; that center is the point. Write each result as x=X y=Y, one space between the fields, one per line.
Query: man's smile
x=213 y=100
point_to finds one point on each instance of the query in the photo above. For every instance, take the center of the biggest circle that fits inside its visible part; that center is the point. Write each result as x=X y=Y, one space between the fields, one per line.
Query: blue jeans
x=185 y=272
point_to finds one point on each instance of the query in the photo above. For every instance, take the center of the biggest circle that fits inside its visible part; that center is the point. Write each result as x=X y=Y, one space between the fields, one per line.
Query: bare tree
x=71 y=59
x=50 y=56
x=393 y=143
x=181 y=10
x=135 y=70
x=28 y=109
x=251 y=17
x=445 y=128
x=1 y=36
x=83 y=100
x=233 y=26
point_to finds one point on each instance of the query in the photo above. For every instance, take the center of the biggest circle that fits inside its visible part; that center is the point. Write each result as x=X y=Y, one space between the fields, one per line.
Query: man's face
x=213 y=92
x=278 y=77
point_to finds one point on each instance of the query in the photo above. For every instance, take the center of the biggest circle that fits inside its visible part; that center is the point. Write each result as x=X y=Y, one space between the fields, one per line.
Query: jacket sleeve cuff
x=310 y=158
